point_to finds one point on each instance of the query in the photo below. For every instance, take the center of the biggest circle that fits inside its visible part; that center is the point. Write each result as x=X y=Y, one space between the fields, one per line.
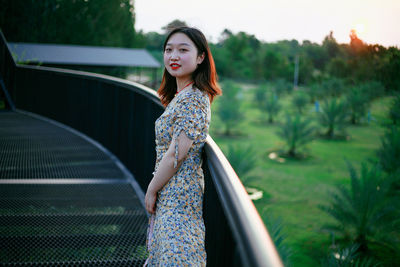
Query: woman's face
x=181 y=56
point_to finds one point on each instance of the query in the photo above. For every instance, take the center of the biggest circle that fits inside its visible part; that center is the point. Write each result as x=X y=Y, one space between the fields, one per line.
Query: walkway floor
x=63 y=200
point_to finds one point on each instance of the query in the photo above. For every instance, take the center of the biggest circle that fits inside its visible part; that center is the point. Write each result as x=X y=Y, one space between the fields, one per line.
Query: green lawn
x=293 y=190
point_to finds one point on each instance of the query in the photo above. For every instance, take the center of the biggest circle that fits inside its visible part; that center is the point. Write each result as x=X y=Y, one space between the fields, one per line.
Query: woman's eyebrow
x=186 y=44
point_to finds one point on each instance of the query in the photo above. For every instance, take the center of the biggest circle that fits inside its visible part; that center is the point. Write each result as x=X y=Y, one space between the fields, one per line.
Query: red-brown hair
x=205 y=76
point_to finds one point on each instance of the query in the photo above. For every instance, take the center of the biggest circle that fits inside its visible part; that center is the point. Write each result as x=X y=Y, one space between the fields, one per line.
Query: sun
x=359 y=28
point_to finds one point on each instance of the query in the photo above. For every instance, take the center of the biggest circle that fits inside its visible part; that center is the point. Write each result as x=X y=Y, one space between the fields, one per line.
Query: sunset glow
x=360 y=28
x=374 y=21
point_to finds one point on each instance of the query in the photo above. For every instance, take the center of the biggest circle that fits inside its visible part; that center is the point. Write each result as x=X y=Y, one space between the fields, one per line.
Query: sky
x=376 y=21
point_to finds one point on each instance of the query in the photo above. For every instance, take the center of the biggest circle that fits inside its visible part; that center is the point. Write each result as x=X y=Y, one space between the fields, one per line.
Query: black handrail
x=120 y=115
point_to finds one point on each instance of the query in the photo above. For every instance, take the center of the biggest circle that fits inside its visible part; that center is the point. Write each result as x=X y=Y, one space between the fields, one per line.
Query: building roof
x=82 y=55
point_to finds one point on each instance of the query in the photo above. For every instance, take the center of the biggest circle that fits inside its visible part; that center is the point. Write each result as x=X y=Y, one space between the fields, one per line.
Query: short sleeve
x=191 y=118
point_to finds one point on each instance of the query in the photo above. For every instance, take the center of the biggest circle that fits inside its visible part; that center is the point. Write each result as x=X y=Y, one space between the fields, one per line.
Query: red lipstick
x=175 y=66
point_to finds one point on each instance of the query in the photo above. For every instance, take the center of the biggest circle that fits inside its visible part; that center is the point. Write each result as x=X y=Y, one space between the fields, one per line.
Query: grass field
x=294 y=190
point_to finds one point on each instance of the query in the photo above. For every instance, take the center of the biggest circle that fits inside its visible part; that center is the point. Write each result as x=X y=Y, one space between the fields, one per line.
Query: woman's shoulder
x=195 y=95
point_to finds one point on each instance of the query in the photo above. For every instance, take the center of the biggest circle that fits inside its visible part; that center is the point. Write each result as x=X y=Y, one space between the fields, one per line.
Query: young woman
x=174 y=197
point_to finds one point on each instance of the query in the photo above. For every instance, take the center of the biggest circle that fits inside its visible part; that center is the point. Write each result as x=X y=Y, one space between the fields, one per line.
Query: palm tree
x=281 y=86
x=300 y=100
x=260 y=95
x=229 y=106
x=357 y=102
x=333 y=87
x=275 y=229
x=243 y=160
x=389 y=152
x=394 y=112
x=296 y=132
x=333 y=116
x=271 y=106
x=349 y=257
x=364 y=213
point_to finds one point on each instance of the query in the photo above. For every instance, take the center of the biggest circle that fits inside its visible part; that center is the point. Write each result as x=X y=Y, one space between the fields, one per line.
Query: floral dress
x=176 y=231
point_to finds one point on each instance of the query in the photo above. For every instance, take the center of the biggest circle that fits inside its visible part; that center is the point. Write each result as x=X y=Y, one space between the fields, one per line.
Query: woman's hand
x=150 y=201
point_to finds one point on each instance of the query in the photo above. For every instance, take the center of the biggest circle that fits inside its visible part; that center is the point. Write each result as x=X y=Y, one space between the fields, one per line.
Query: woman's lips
x=175 y=66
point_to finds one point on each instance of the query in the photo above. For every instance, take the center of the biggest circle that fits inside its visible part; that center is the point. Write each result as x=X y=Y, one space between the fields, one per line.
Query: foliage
x=394 y=112
x=275 y=229
x=300 y=100
x=174 y=24
x=296 y=133
x=99 y=23
x=271 y=105
x=315 y=92
x=357 y=103
x=260 y=93
x=333 y=87
x=372 y=89
x=229 y=106
x=333 y=116
x=282 y=86
x=389 y=153
x=243 y=159
x=363 y=213
x=389 y=68
x=348 y=257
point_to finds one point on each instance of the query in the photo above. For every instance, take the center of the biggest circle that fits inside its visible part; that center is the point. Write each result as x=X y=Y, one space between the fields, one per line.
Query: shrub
x=260 y=93
x=333 y=87
x=300 y=101
x=229 y=106
x=333 y=116
x=296 y=133
x=357 y=103
x=364 y=214
x=389 y=152
x=394 y=112
x=243 y=160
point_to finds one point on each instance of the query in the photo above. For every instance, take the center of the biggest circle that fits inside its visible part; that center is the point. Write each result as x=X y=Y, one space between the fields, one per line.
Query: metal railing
x=120 y=115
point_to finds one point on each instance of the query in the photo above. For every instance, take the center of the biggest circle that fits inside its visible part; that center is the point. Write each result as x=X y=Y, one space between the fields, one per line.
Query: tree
x=357 y=102
x=363 y=213
x=299 y=101
x=99 y=23
x=282 y=86
x=243 y=160
x=330 y=45
x=349 y=257
x=229 y=106
x=296 y=133
x=333 y=87
x=271 y=105
x=389 y=152
x=174 y=24
x=394 y=112
x=260 y=93
x=333 y=116
x=389 y=68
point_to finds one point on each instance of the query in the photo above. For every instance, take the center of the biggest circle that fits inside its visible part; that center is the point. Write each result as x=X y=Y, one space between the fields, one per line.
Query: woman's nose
x=174 y=55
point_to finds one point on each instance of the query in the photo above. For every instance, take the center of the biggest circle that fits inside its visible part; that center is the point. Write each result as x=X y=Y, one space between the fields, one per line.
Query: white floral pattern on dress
x=178 y=232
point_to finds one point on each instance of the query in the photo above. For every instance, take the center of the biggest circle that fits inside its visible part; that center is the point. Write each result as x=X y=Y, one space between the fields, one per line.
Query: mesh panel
x=64 y=224
x=31 y=148
x=69 y=224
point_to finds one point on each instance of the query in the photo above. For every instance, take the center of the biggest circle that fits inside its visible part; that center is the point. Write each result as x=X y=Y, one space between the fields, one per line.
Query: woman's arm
x=166 y=169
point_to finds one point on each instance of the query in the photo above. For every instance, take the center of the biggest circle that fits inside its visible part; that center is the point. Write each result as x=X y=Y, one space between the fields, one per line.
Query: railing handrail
x=134 y=86
x=243 y=217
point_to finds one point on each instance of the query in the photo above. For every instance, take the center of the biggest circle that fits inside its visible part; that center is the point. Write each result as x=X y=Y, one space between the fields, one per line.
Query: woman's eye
x=168 y=49
x=182 y=50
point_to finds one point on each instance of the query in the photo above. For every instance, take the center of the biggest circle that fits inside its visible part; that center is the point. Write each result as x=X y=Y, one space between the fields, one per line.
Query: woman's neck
x=182 y=83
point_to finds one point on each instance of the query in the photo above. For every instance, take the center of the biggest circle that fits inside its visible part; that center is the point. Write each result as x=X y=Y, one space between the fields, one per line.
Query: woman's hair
x=205 y=76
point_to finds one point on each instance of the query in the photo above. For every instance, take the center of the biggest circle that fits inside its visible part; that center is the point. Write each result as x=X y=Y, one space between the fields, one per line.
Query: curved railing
x=120 y=115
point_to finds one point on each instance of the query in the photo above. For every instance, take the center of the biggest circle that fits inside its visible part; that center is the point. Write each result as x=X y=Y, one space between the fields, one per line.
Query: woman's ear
x=200 y=58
